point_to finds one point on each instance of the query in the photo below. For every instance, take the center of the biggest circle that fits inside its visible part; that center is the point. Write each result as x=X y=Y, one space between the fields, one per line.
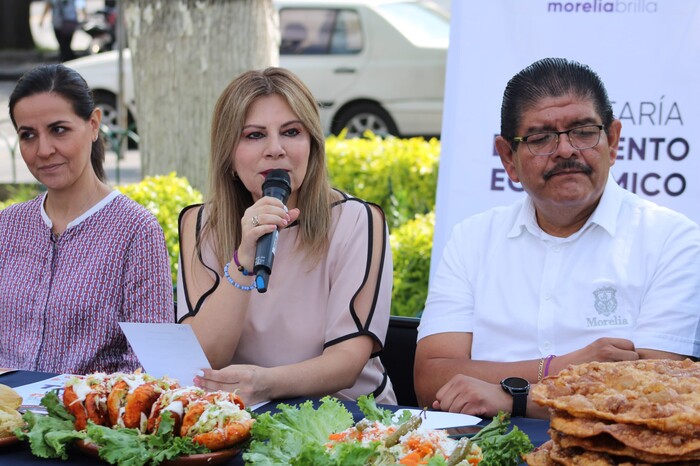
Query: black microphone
x=277 y=185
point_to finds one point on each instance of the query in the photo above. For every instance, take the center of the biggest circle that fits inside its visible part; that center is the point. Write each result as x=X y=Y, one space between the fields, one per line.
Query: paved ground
x=12 y=167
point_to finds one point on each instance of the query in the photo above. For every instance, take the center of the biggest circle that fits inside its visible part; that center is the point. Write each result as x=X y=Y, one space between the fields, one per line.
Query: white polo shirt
x=632 y=271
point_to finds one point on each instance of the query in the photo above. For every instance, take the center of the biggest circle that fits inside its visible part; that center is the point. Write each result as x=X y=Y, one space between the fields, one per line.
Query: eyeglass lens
x=545 y=143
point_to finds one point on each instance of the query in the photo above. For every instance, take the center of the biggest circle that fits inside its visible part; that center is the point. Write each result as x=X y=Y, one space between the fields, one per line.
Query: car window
x=312 y=31
x=423 y=26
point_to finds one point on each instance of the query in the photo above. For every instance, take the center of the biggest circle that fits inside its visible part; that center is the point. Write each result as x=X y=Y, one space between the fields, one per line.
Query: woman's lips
x=50 y=168
x=267 y=172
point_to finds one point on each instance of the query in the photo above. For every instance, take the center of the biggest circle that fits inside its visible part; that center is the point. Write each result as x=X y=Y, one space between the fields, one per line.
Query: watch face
x=516 y=383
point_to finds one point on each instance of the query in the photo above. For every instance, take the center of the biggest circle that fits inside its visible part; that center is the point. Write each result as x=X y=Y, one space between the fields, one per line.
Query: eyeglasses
x=546 y=142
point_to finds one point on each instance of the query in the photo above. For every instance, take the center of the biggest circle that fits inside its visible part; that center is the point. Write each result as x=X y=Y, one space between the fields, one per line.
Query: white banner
x=647 y=54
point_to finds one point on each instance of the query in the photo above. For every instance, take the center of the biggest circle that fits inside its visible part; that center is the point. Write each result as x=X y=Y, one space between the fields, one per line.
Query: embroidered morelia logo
x=606 y=306
x=605 y=301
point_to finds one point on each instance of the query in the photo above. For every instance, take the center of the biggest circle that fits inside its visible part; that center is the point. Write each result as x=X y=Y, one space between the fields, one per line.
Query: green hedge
x=165 y=197
x=398 y=174
x=411 y=245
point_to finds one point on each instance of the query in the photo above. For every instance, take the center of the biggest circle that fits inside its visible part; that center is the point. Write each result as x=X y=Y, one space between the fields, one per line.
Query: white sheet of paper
x=442 y=420
x=166 y=349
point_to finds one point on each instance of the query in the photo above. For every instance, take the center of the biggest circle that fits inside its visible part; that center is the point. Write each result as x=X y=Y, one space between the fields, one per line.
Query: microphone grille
x=278 y=177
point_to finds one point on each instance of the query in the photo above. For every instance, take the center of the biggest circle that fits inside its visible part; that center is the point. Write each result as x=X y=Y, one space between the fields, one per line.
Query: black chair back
x=398 y=355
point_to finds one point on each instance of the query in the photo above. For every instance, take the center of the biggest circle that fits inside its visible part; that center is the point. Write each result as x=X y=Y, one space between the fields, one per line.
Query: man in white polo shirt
x=578 y=270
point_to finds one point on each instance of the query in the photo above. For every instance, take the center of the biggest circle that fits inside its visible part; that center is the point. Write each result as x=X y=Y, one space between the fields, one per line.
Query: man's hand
x=601 y=350
x=469 y=395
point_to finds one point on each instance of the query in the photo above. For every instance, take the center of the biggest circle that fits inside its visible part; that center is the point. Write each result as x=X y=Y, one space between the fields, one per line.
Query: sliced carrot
x=412 y=459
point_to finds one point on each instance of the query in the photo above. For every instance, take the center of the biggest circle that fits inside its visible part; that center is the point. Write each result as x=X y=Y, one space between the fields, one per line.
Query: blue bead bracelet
x=234 y=282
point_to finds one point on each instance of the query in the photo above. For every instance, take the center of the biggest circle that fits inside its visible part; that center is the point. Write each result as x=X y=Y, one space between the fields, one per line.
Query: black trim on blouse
x=192 y=312
x=363 y=329
x=378 y=391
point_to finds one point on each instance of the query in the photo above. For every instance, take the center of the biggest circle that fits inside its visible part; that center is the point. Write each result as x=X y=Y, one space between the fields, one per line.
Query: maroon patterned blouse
x=61 y=298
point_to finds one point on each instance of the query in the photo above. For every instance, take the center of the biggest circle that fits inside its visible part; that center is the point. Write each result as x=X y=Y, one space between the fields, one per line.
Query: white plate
x=33 y=393
x=441 y=419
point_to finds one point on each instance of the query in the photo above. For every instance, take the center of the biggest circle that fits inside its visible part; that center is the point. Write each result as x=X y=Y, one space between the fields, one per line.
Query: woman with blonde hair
x=321 y=324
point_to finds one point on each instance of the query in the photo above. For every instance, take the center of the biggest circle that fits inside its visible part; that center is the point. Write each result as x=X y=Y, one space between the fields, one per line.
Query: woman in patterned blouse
x=81 y=257
x=321 y=324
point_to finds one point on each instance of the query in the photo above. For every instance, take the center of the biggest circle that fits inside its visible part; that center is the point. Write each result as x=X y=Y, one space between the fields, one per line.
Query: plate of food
x=9 y=440
x=653 y=420
x=328 y=433
x=119 y=417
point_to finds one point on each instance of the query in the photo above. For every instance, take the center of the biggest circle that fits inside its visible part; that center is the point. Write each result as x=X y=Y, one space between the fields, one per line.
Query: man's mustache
x=567 y=165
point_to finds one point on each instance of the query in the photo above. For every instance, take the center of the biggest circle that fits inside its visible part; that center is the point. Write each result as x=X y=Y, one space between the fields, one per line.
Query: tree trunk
x=15 y=32
x=183 y=54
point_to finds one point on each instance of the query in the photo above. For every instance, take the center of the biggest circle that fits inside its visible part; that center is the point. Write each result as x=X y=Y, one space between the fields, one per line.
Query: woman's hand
x=248 y=381
x=265 y=216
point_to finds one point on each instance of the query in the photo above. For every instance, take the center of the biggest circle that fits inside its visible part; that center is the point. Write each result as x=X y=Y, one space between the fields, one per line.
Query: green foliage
x=165 y=197
x=18 y=193
x=398 y=174
x=411 y=246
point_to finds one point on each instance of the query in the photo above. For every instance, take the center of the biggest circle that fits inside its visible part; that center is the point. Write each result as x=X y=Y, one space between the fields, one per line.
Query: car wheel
x=107 y=102
x=361 y=117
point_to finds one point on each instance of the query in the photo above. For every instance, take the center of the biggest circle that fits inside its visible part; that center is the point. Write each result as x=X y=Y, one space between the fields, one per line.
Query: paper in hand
x=166 y=349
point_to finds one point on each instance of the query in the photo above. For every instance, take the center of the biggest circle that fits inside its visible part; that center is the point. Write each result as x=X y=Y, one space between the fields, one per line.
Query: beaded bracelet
x=238 y=264
x=546 y=367
x=236 y=284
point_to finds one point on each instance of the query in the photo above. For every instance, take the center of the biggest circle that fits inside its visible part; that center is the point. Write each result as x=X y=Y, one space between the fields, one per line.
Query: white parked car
x=371 y=64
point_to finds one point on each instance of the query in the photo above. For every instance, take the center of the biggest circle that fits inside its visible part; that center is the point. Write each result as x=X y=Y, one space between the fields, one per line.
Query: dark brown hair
x=67 y=83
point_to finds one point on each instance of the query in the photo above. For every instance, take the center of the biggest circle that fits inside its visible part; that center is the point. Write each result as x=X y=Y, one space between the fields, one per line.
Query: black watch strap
x=519 y=404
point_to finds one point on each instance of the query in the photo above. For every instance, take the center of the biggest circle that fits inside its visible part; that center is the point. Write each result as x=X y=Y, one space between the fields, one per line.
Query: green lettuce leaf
x=437 y=461
x=500 y=448
x=343 y=454
x=373 y=412
x=49 y=436
x=354 y=453
x=505 y=450
x=54 y=406
x=128 y=447
x=282 y=438
x=119 y=446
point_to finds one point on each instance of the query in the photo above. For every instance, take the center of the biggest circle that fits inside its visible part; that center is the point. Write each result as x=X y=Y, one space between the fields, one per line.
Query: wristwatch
x=518 y=389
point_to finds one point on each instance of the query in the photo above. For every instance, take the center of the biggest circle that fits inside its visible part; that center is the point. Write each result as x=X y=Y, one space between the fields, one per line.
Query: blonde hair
x=228 y=198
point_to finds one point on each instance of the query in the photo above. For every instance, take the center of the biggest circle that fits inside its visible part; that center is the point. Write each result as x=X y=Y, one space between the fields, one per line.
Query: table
x=19 y=454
